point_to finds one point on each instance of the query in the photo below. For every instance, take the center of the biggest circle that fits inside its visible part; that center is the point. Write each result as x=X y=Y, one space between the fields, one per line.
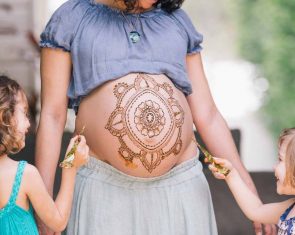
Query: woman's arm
x=213 y=128
x=209 y=122
x=55 y=214
x=55 y=77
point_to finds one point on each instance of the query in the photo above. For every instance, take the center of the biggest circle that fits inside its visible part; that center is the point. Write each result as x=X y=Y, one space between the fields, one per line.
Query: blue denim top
x=97 y=36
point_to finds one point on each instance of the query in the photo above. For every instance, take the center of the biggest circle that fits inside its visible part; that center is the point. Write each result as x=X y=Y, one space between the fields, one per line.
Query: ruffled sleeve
x=194 y=38
x=62 y=26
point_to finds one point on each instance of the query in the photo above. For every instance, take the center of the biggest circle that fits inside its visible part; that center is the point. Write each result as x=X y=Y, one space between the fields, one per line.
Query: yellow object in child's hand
x=68 y=162
x=210 y=159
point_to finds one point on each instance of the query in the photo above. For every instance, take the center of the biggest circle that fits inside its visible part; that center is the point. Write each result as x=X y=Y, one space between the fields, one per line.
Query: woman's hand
x=82 y=150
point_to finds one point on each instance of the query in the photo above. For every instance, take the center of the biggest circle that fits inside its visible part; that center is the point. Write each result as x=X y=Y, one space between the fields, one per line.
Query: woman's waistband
x=99 y=170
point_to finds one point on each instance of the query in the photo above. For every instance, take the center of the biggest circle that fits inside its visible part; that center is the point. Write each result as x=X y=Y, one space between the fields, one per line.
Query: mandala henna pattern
x=149 y=118
x=147 y=121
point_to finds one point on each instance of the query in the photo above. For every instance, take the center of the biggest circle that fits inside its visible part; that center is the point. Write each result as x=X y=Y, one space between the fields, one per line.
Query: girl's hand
x=224 y=163
x=82 y=151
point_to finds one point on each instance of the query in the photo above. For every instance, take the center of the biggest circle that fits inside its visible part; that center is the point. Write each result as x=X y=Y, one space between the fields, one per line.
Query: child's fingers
x=212 y=168
x=223 y=162
x=81 y=156
x=82 y=147
x=83 y=151
x=220 y=161
x=219 y=175
x=82 y=138
x=72 y=141
x=86 y=153
x=87 y=150
x=70 y=145
x=82 y=141
x=215 y=172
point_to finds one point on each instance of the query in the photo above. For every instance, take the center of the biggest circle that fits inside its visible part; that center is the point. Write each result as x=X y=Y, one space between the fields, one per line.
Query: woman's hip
x=108 y=201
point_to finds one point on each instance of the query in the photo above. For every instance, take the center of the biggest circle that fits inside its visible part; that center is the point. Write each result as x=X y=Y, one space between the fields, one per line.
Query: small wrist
x=72 y=169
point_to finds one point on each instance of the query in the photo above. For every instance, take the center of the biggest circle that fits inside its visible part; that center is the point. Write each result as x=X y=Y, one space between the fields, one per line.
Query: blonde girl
x=21 y=188
x=282 y=213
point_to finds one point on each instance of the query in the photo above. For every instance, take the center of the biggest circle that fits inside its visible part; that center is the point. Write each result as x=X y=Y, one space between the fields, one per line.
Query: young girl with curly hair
x=22 y=190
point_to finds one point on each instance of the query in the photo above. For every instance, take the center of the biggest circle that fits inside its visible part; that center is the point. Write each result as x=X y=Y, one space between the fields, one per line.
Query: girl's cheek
x=280 y=171
x=275 y=167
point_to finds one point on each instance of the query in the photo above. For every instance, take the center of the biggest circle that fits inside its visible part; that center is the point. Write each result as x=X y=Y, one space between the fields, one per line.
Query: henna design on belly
x=147 y=121
x=149 y=118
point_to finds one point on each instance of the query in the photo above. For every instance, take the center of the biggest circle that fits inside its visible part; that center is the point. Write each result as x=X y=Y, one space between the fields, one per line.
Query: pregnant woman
x=132 y=71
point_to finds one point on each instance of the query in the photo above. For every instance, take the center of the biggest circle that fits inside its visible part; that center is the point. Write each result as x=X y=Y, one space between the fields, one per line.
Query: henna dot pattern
x=147 y=121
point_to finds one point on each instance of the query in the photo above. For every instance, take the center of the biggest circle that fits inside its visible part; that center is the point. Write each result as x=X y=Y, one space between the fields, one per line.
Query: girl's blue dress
x=15 y=220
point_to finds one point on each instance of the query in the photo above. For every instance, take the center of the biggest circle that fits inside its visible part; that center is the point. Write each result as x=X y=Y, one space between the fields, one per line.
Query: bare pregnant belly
x=140 y=124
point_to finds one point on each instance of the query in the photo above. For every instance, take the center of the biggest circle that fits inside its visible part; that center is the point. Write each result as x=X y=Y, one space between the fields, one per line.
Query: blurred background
x=249 y=59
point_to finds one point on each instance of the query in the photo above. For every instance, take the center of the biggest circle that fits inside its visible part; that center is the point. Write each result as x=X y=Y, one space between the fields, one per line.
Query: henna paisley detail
x=147 y=121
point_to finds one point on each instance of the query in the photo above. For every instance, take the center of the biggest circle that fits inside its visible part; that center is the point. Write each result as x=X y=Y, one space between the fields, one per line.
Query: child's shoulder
x=27 y=170
x=30 y=171
x=10 y=166
x=31 y=177
x=22 y=165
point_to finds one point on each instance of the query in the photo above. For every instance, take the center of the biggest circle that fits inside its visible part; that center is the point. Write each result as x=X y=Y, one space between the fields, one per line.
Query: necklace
x=133 y=34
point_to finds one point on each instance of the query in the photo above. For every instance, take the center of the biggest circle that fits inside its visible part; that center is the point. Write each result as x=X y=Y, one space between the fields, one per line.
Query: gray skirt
x=107 y=201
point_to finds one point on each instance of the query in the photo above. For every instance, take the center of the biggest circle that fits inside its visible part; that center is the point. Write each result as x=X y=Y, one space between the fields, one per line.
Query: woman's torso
x=140 y=124
x=142 y=131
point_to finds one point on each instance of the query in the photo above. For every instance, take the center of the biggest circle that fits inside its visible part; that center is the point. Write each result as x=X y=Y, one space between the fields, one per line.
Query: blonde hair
x=10 y=91
x=289 y=135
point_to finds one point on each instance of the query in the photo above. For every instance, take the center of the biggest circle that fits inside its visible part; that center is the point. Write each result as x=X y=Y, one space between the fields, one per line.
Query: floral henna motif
x=149 y=118
x=147 y=121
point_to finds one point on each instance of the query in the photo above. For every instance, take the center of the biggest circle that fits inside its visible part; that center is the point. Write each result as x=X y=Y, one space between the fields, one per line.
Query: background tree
x=267 y=38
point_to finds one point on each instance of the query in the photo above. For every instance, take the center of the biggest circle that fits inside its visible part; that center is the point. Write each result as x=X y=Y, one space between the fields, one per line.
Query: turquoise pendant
x=134 y=36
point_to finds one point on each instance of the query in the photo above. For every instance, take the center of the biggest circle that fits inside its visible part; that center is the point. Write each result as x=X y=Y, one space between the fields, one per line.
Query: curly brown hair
x=167 y=5
x=289 y=135
x=10 y=140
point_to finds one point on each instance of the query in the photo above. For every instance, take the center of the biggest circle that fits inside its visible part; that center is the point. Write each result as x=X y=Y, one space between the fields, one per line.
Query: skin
x=280 y=171
x=54 y=214
x=249 y=202
x=56 y=68
x=148 y=120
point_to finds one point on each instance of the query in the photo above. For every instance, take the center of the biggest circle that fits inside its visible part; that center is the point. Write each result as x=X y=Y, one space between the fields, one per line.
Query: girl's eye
x=28 y=115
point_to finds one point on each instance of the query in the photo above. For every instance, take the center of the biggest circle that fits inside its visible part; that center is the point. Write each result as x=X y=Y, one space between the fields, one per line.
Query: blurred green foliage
x=267 y=38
